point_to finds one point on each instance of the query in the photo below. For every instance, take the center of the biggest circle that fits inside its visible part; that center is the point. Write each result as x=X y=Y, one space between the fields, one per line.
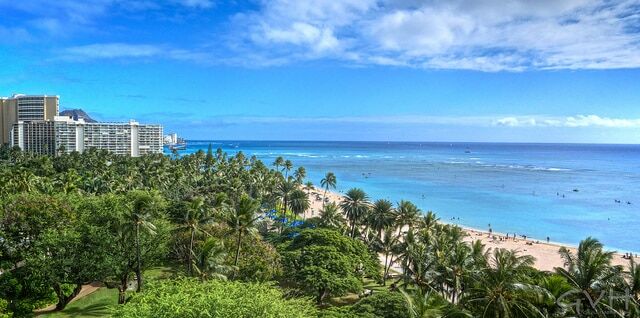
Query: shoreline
x=546 y=254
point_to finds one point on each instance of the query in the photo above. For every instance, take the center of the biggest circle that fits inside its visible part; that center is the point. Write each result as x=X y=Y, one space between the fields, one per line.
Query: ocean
x=566 y=192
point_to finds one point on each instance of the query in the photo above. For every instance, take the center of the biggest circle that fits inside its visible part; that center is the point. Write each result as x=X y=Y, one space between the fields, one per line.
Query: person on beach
x=547 y=240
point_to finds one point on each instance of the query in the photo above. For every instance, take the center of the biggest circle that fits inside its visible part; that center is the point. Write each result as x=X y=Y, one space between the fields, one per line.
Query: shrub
x=191 y=298
x=383 y=304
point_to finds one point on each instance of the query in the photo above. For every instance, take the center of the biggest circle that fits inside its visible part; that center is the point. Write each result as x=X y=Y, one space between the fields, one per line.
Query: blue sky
x=459 y=70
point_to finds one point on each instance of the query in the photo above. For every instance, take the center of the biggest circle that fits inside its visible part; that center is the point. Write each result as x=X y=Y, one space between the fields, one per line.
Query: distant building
x=25 y=108
x=31 y=123
x=34 y=136
x=68 y=135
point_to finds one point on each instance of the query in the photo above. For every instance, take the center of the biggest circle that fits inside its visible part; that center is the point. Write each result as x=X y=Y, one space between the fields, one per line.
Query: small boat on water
x=178 y=146
x=467 y=150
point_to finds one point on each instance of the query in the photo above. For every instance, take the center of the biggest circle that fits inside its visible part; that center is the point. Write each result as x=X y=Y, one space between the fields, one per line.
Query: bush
x=383 y=304
x=192 y=298
x=343 y=312
x=4 y=311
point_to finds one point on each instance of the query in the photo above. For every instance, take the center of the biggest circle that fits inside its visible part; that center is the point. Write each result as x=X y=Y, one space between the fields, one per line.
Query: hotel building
x=25 y=108
x=34 y=128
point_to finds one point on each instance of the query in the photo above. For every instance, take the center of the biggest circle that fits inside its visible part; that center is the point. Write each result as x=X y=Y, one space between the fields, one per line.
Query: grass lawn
x=351 y=299
x=97 y=303
x=93 y=305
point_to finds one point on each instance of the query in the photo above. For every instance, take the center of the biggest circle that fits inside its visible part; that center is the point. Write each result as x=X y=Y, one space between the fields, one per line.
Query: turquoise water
x=526 y=189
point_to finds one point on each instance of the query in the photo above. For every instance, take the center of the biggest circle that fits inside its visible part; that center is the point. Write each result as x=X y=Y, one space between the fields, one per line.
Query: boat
x=178 y=146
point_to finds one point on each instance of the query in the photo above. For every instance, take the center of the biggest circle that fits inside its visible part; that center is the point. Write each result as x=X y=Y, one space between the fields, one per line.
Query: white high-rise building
x=64 y=134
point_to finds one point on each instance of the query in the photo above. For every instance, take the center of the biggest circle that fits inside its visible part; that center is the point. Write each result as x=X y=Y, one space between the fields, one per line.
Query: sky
x=403 y=70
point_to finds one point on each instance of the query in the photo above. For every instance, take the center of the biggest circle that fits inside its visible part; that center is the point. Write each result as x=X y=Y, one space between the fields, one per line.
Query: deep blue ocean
x=564 y=191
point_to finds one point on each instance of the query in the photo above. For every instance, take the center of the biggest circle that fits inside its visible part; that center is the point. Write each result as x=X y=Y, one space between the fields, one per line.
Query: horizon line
x=416 y=142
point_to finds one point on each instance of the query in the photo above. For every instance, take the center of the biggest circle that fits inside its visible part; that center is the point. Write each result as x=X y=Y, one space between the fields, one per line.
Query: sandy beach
x=546 y=254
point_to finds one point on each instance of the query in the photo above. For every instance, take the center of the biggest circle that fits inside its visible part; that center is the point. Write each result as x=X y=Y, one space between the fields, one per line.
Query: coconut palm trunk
x=138 y=259
x=238 y=241
x=190 y=252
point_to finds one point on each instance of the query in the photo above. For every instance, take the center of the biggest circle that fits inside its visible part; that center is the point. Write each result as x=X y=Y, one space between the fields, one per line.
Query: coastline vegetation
x=229 y=232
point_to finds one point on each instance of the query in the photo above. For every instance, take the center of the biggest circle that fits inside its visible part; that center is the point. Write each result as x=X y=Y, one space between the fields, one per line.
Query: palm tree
x=329 y=181
x=285 y=188
x=408 y=214
x=355 y=205
x=194 y=217
x=457 y=268
x=210 y=261
x=503 y=290
x=308 y=186
x=386 y=245
x=142 y=207
x=331 y=217
x=299 y=202
x=381 y=217
x=300 y=174
x=429 y=221
x=634 y=279
x=288 y=165
x=590 y=273
x=242 y=220
x=429 y=305
x=278 y=162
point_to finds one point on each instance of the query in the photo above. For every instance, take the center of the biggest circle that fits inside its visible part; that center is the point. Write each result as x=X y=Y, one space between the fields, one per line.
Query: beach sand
x=546 y=254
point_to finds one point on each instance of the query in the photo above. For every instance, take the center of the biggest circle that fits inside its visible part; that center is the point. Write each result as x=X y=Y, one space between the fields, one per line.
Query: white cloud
x=302 y=33
x=593 y=120
x=485 y=35
x=568 y=122
x=126 y=51
x=204 y=4
x=110 y=51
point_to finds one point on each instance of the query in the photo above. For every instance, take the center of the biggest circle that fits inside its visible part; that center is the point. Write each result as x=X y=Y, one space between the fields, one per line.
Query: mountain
x=78 y=114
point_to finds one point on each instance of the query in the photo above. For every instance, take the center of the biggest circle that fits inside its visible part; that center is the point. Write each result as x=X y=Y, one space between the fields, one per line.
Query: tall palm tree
x=300 y=174
x=504 y=291
x=288 y=165
x=209 y=262
x=331 y=217
x=381 y=217
x=355 y=205
x=428 y=304
x=143 y=206
x=429 y=221
x=299 y=202
x=408 y=214
x=194 y=217
x=590 y=273
x=285 y=188
x=456 y=268
x=387 y=245
x=278 y=162
x=634 y=279
x=242 y=220
x=329 y=181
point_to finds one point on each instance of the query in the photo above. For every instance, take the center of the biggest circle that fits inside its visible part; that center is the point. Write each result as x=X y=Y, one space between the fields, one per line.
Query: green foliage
x=74 y=218
x=4 y=310
x=259 y=261
x=325 y=263
x=383 y=304
x=108 y=228
x=191 y=298
x=344 y=312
